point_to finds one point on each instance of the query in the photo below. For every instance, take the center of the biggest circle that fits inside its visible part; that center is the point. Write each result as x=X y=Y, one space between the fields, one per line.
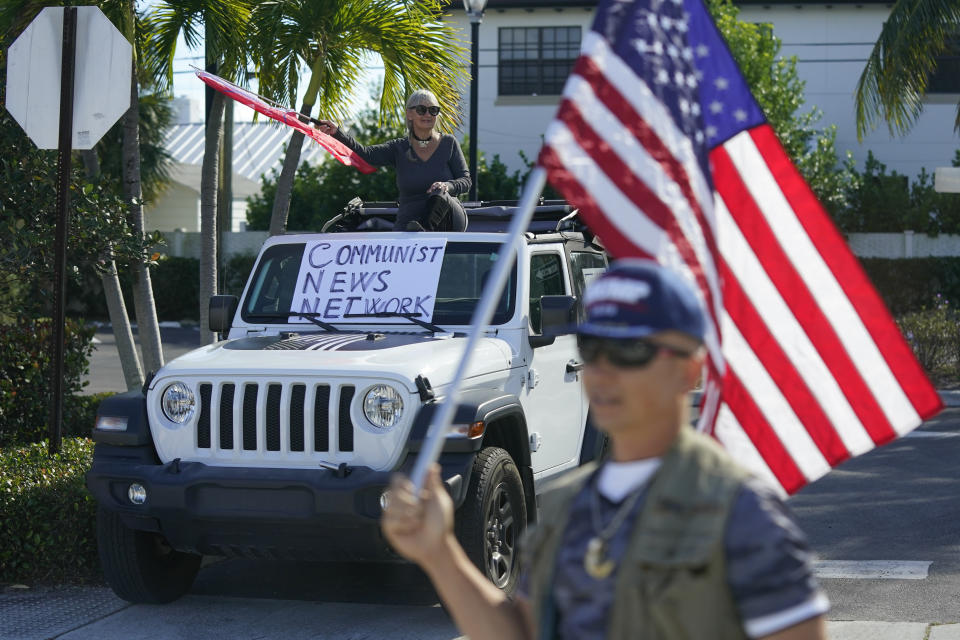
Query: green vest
x=671 y=582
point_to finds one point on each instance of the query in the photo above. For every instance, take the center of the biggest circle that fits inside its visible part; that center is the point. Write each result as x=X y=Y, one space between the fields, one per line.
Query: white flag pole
x=482 y=315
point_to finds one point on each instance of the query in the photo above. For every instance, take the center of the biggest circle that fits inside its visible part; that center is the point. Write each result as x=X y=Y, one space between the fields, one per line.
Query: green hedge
x=913 y=284
x=25 y=362
x=176 y=288
x=47 y=516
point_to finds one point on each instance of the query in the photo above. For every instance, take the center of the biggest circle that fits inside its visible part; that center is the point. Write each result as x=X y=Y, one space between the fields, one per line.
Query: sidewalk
x=94 y=613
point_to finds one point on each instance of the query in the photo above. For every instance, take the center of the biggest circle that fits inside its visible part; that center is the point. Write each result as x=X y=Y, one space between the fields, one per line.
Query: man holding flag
x=661 y=146
x=668 y=539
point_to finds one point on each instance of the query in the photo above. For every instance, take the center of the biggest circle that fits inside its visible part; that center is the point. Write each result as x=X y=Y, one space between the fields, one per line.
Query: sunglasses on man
x=421 y=110
x=629 y=353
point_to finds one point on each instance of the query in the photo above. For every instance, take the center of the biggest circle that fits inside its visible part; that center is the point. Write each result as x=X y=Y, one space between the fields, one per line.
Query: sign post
x=64 y=166
x=72 y=66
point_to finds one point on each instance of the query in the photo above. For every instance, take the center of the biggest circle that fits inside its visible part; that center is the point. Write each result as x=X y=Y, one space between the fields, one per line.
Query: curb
x=165 y=324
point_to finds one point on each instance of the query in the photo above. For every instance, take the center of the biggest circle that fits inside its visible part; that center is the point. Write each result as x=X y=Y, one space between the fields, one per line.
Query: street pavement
x=884 y=526
x=106 y=374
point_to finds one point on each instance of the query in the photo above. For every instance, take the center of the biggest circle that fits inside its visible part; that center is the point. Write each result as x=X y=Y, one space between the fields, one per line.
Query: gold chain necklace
x=595 y=561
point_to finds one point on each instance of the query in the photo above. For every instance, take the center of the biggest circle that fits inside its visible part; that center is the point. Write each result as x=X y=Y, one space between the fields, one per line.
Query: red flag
x=660 y=143
x=288 y=117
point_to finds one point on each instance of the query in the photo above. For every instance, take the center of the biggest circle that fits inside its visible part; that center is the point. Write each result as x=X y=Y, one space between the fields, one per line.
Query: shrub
x=877 y=201
x=47 y=530
x=909 y=284
x=25 y=362
x=176 y=288
x=933 y=334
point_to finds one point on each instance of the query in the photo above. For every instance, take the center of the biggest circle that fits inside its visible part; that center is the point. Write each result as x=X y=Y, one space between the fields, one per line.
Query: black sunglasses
x=420 y=109
x=634 y=352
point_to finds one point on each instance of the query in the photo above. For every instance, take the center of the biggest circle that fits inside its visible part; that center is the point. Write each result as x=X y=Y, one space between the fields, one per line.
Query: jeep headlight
x=383 y=406
x=178 y=403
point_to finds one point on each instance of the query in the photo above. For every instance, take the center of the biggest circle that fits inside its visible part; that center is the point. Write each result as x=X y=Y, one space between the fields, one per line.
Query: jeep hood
x=365 y=355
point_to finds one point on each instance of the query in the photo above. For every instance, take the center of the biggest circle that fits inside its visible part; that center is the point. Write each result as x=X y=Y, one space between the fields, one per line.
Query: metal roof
x=258 y=147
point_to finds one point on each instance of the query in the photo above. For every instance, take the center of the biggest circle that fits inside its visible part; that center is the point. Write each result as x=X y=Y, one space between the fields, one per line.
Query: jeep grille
x=281 y=422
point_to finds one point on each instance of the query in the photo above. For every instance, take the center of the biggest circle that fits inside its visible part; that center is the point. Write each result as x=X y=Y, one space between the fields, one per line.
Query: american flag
x=660 y=143
x=289 y=117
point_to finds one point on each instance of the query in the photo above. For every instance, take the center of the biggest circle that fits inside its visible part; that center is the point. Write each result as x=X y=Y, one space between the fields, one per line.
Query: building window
x=946 y=79
x=535 y=61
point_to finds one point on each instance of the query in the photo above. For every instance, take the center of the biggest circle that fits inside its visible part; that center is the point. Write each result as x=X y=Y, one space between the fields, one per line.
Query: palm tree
x=894 y=81
x=333 y=38
x=224 y=25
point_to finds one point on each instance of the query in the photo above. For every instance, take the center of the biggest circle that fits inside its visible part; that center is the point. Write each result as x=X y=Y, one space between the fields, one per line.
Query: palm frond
x=219 y=25
x=894 y=80
x=333 y=37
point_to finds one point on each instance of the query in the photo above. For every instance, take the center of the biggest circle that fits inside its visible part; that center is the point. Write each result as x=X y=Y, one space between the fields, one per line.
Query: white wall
x=186 y=244
x=831 y=43
x=178 y=207
x=510 y=124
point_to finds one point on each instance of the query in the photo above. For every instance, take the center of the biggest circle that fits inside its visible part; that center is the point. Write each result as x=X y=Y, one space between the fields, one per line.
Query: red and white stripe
x=640 y=167
x=805 y=365
x=815 y=362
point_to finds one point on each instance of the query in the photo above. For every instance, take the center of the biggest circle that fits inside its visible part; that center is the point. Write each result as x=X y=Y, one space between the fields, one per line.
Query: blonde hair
x=422 y=96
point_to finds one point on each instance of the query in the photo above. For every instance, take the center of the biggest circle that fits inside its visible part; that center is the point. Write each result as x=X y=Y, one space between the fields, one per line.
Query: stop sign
x=102 y=77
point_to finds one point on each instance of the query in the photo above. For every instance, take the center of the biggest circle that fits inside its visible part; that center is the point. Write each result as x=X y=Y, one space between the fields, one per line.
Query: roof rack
x=549 y=216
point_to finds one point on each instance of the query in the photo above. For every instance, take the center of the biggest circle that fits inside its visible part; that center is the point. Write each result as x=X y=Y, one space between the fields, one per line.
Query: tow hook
x=424 y=388
x=339 y=470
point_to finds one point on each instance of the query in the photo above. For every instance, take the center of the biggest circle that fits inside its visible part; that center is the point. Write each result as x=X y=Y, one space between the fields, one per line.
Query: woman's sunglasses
x=421 y=110
x=632 y=353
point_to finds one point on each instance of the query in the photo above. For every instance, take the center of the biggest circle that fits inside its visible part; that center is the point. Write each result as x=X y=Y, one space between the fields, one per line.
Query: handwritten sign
x=339 y=278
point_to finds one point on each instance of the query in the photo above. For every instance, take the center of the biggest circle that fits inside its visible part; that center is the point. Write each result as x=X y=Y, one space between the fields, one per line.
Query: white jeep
x=279 y=440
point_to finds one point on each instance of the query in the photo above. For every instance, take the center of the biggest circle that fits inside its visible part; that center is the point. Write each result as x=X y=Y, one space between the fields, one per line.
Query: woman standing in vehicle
x=430 y=166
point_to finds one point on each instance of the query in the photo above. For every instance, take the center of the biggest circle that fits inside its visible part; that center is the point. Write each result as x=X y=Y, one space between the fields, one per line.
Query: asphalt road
x=900 y=502
x=106 y=374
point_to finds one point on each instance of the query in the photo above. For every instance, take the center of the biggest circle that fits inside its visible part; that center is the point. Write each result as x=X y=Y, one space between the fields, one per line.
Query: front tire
x=140 y=566
x=493 y=517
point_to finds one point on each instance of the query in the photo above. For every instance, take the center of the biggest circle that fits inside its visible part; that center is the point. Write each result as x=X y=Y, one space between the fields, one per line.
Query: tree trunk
x=126 y=348
x=209 y=174
x=146 y=309
x=119 y=320
x=225 y=191
x=281 y=201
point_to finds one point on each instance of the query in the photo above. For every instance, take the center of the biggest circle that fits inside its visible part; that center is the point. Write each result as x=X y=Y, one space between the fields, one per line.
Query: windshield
x=465 y=269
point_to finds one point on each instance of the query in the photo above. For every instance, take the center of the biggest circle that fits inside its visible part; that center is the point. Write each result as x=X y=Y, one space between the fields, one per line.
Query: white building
x=527 y=47
x=258 y=148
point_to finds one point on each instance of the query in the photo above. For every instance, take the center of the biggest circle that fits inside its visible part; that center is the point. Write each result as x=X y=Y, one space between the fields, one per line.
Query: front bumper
x=283 y=513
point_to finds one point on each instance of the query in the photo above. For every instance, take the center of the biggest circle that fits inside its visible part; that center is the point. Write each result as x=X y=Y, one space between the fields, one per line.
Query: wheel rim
x=500 y=536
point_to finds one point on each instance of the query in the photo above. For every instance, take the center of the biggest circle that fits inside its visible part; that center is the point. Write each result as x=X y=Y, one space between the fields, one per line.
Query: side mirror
x=557 y=315
x=222 y=310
